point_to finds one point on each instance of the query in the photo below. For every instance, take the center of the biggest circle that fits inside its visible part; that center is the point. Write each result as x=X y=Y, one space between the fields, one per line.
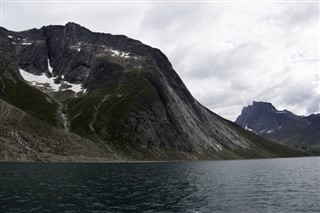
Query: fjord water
x=270 y=185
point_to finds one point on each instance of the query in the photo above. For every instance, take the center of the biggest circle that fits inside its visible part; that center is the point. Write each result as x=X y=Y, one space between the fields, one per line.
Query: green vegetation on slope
x=108 y=110
x=29 y=99
x=80 y=113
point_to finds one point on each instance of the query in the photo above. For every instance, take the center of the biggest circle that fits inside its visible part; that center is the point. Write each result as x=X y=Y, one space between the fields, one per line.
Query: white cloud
x=228 y=54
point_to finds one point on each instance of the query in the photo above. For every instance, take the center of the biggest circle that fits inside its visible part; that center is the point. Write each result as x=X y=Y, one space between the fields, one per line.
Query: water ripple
x=273 y=185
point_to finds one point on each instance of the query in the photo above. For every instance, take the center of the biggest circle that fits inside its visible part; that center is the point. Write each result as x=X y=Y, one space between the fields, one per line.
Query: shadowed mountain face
x=264 y=119
x=115 y=92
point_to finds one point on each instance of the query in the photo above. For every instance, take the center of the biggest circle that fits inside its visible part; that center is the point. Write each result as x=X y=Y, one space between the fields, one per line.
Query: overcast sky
x=228 y=54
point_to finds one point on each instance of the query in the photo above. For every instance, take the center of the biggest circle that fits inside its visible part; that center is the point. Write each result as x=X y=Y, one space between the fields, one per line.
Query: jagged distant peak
x=262 y=104
x=261 y=108
x=283 y=126
x=268 y=106
x=73 y=24
x=76 y=26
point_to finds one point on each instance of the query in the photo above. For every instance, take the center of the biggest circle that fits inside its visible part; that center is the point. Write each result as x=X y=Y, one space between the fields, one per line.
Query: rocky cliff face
x=264 y=119
x=118 y=93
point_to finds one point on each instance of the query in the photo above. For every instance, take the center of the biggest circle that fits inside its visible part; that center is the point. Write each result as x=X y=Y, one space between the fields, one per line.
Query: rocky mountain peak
x=119 y=93
x=261 y=115
x=74 y=25
x=264 y=119
x=72 y=54
x=264 y=106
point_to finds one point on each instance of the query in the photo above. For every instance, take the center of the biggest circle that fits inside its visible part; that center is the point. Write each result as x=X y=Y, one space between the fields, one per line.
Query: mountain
x=301 y=132
x=70 y=94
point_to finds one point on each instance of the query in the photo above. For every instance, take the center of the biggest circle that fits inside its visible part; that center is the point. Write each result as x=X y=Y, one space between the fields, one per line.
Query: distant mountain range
x=69 y=94
x=302 y=132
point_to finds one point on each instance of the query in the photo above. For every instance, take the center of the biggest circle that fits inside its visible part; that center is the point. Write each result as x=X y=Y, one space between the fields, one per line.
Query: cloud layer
x=228 y=54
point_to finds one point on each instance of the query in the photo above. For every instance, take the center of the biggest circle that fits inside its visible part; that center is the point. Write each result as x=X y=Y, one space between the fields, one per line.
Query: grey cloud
x=226 y=64
x=176 y=18
x=296 y=95
x=303 y=96
x=302 y=14
x=228 y=54
x=116 y=18
x=314 y=105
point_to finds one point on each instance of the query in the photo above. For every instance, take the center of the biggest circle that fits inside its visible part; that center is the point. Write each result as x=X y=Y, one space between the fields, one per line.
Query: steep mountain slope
x=23 y=137
x=117 y=92
x=302 y=132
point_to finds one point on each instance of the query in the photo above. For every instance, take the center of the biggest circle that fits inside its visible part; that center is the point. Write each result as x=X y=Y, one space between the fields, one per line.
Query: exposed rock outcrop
x=119 y=93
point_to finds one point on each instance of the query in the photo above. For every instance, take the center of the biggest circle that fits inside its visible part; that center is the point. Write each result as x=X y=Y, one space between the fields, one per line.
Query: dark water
x=273 y=185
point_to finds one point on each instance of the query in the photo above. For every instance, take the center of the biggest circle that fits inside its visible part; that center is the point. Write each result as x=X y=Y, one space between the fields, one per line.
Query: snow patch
x=76 y=47
x=10 y=36
x=247 y=128
x=281 y=112
x=115 y=52
x=26 y=43
x=39 y=80
x=76 y=87
x=125 y=55
x=44 y=81
x=49 y=66
x=270 y=131
x=120 y=54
